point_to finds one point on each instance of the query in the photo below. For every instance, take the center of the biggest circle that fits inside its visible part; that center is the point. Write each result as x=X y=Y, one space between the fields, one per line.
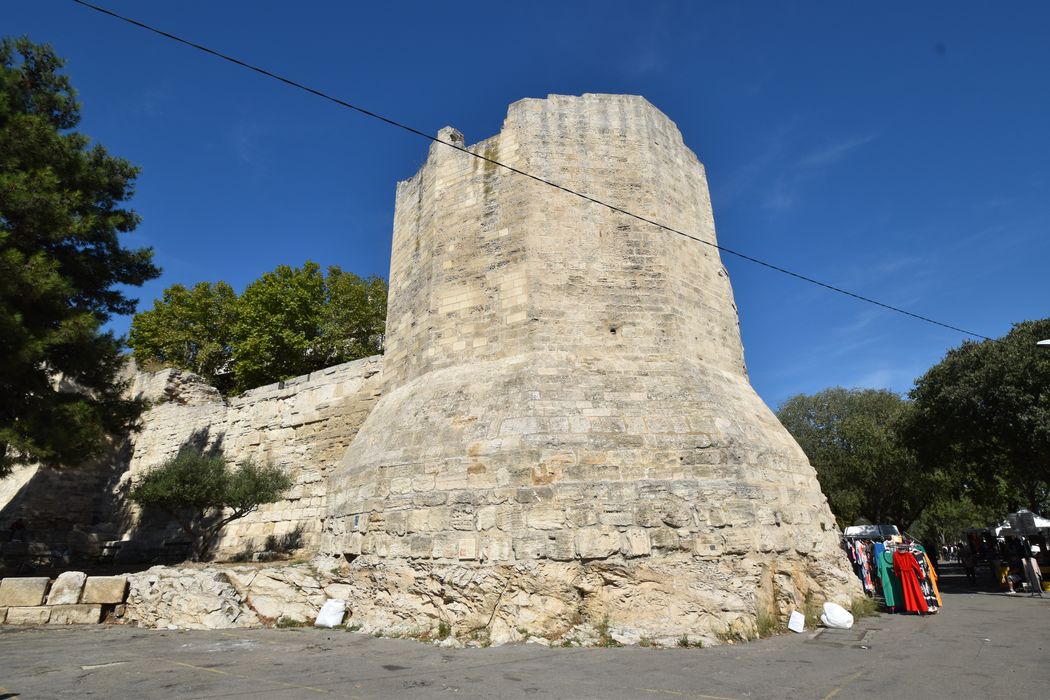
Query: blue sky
x=899 y=150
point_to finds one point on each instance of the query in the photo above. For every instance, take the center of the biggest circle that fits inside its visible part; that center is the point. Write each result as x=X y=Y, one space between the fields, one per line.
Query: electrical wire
x=462 y=149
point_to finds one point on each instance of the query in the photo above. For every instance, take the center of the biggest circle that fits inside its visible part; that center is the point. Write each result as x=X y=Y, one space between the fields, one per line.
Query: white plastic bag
x=797 y=623
x=331 y=614
x=836 y=616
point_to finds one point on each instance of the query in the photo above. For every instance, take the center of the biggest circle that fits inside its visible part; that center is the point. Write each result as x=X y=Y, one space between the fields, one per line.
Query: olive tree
x=203 y=494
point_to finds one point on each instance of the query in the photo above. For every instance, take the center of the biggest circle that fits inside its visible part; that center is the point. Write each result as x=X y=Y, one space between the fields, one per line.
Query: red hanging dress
x=907 y=569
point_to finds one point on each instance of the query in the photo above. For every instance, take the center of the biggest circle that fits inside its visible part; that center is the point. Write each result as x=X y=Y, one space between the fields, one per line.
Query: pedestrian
x=969 y=562
x=1030 y=569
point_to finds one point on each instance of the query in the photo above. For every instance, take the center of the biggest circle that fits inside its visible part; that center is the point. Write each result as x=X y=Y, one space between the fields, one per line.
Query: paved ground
x=981 y=645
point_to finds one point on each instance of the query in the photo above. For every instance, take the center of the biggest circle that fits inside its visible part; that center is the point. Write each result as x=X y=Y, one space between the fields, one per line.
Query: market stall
x=894 y=567
x=1022 y=561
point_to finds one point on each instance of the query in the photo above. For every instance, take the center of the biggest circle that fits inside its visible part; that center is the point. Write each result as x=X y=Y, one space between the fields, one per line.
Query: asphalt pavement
x=982 y=644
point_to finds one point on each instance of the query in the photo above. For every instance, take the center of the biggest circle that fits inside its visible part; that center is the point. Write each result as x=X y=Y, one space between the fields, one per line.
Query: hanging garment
x=891 y=585
x=865 y=554
x=933 y=579
x=907 y=568
x=926 y=579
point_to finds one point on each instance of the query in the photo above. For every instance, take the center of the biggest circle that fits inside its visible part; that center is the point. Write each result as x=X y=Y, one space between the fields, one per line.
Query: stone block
x=561 y=546
x=3 y=615
x=546 y=518
x=75 y=614
x=67 y=588
x=635 y=543
x=739 y=541
x=445 y=546
x=107 y=590
x=23 y=592
x=664 y=538
x=420 y=545
x=36 y=615
x=467 y=548
x=486 y=518
x=532 y=546
x=597 y=543
x=496 y=548
x=708 y=544
x=617 y=518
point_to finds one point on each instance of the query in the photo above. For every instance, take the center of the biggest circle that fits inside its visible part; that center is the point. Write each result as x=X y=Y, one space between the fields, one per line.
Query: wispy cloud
x=892 y=378
x=781 y=198
x=837 y=150
x=747 y=175
x=644 y=62
x=895 y=265
x=779 y=154
x=246 y=144
x=785 y=193
x=648 y=55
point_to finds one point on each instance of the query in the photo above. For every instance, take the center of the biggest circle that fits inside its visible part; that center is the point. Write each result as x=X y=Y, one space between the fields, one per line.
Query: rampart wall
x=302 y=425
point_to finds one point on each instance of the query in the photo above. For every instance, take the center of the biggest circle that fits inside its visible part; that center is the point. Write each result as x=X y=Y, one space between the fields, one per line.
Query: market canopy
x=1023 y=522
x=871 y=532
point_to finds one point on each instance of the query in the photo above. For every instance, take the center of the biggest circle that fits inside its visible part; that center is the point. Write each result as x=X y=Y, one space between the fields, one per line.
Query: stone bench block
x=67 y=588
x=35 y=615
x=23 y=592
x=107 y=590
x=75 y=614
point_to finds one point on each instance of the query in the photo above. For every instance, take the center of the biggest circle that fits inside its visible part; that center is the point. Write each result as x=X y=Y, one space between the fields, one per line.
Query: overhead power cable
x=581 y=195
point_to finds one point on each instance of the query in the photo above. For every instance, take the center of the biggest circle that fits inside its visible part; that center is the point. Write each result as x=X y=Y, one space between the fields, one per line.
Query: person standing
x=969 y=562
x=1030 y=569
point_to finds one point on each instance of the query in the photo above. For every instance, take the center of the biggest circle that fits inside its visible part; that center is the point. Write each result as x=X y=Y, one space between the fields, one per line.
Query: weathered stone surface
x=37 y=615
x=23 y=592
x=219 y=597
x=187 y=598
x=67 y=588
x=574 y=379
x=302 y=425
x=105 y=589
x=291 y=592
x=75 y=614
x=563 y=429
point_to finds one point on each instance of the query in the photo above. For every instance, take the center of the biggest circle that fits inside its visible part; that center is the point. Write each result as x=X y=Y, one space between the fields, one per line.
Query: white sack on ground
x=331 y=614
x=836 y=616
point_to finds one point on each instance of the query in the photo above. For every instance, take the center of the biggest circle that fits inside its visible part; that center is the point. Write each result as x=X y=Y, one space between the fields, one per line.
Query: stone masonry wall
x=567 y=389
x=302 y=425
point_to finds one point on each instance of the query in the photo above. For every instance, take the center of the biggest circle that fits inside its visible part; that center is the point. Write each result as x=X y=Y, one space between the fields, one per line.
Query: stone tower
x=567 y=431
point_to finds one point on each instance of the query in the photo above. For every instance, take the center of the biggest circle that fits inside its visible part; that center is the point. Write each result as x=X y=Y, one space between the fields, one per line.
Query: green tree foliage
x=278 y=333
x=947 y=517
x=852 y=438
x=354 y=322
x=191 y=329
x=983 y=412
x=289 y=322
x=203 y=495
x=61 y=265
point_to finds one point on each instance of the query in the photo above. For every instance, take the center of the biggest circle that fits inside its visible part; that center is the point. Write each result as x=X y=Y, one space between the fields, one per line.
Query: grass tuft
x=767 y=624
x=284 y=623
x=863 y=606
x=604 y=638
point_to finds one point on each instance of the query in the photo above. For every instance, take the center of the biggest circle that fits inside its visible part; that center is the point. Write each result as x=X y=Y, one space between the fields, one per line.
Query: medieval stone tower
x=567 y=430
